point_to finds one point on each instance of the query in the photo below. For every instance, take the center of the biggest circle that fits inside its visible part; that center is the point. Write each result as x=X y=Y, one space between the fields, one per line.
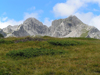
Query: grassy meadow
x=49 y=56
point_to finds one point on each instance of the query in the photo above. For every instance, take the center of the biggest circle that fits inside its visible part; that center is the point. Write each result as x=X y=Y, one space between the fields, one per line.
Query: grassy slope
x=79 y=60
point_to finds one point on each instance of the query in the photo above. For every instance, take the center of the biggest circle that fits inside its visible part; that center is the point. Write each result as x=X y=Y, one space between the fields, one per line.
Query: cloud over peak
x=67 y=8
x=70 y=7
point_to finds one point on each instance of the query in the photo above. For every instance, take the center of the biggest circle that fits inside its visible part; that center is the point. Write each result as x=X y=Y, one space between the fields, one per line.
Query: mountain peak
x=68 y=27
x=31 y=18
x=72 y=16
x=9 y=26
x=31 y=21
x=74 y=20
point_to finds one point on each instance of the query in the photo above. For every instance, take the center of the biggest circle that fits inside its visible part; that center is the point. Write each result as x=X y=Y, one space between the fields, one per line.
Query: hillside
x=68 y=27
x=49 y=56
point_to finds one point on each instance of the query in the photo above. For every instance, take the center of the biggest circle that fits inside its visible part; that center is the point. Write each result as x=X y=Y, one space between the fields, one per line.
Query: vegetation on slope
x=33 y=52
x=2 y=41
x=65 y=42
x=82 y=58
x=84 y=34
x=1 y=36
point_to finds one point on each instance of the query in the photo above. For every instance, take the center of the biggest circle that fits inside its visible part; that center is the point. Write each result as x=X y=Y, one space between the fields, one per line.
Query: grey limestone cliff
x=3 y=33
x=31 y=27
x=10 y=29
x=94 y=33
x=69 y=27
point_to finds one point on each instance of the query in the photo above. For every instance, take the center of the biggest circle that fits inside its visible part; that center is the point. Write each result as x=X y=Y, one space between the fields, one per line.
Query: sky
x=15 y=12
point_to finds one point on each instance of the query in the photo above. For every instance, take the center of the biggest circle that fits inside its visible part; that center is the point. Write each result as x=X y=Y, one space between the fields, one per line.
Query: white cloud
x=27 y=15
x=90 y=19
x=95 y=22
x=4 y=18
x=47 y=22
x=5 y=21
x=70 y=7
x=33 y=15
x=92 y=1
x=9 y=22
x=85 y=17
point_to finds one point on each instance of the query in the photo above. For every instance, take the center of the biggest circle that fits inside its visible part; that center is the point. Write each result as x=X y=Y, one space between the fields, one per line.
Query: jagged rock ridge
x=31 y=27
x=69 y=27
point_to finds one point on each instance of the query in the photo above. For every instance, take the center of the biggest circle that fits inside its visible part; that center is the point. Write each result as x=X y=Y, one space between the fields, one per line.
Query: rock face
x=94 y=33
x=10 y=29
x=69 y=27
x=31 y=27
x=3 y=33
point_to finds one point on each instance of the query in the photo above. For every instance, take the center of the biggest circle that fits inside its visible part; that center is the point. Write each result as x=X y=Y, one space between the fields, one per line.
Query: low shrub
x=2 y=41
x=3 y=72
x=65 y=42
x=84 y=38
x=30 y=52
x=1 y=36
x=29 y=39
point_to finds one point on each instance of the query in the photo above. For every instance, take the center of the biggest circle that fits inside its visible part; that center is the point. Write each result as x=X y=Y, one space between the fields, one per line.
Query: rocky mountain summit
x=69 y=27
x=31 y=27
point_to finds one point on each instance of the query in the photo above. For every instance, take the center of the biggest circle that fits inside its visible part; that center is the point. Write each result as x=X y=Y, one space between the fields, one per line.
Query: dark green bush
x=2 y=41
x=3 y=72
x=66 y=42
x=82 y=38
x=30 y=52
x=1 y=36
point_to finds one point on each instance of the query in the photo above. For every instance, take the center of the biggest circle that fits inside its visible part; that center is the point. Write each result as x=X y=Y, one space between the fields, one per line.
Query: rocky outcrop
x=94 y=33
x=3 y=33
x=69 y=27
x=21 y=32
x=31 y=27
x=10 y=29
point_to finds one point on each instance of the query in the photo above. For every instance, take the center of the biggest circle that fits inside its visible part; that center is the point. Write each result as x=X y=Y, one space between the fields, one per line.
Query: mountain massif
x=69 y=27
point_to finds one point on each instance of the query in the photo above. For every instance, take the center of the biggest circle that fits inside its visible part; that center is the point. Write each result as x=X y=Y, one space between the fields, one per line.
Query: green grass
x=2 y=41
x=66 y=42
x=33 y=52
x=84 y=34
x=74 y=56
x=3 y=72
